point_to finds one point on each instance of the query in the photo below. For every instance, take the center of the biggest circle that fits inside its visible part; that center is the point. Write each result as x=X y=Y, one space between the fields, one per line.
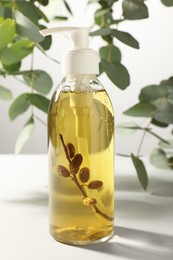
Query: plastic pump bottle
x=81 y=148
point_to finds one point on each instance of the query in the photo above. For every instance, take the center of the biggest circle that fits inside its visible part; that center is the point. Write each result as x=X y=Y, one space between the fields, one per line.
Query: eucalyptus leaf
x=39 y=101
x=27 y=28
x=141 y=171
x=164 y=117
x=43 y=2
x=28 y=9
x=170 y=98
x=158 y=123
x=19 y=106
x=63 y=18
x=134 y=9
x=7 y=32
x=68 y=7
x=24 y=135
x=12 y=67
x=103 y=17
x=158 y=159
x=164 y=112
x=5 y=93
x=16 y=52
x=168 y=83
x=167 y=2
x=101 y=32
x=1 y=10
x=142 y=109
x=152 y=92
x=46 y=43
x=110 y=53
x=42 y=15
x=8 y=13
x=39 y=79
x=126 y=38
x=117 y=73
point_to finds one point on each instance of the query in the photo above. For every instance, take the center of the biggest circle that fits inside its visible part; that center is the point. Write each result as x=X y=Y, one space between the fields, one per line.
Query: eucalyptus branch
x=73 y=173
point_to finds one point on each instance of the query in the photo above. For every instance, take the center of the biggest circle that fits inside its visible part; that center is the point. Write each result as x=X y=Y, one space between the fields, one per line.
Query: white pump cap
x=80 y=59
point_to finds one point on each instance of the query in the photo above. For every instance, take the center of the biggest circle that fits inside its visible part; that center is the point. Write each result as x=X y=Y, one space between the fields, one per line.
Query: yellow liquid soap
x=81 y=167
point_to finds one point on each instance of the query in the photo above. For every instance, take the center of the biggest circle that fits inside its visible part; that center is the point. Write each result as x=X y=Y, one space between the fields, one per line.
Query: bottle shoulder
x=79 y=84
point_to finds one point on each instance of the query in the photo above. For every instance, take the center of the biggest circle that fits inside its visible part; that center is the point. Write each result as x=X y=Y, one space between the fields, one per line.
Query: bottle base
x=79 y=236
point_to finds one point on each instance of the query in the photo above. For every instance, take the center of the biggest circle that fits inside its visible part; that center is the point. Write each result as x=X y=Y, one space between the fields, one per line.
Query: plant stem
x=80 y=187
x=142 y=139
x=31 y=80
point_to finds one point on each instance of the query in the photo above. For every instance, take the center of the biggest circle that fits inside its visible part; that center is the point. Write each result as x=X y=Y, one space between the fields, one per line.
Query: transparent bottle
x=81 y=156
x=80 y=149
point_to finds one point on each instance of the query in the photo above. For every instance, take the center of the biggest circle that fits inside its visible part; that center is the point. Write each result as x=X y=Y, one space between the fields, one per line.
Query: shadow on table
x=136 y=245
x=39 y=198
x=158 y=185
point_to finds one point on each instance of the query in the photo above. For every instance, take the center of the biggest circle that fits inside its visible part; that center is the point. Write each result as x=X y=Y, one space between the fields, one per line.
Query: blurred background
x=150 y=64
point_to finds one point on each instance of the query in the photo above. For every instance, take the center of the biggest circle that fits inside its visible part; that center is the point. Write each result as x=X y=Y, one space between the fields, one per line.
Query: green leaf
x=42 y=15
x=142 y=109
x=46 y=43
x=68 y=7
x=170 y=98
x=152 y=92
x=101 y=32
x=40 y=80
x=16 y=52
x=134 y=9
x=126 y=128
x=1 y=10
x=168 y=83
x=39 y=101
x=7 y=32
x=5 y=93
x=19 y=106
x=126 y=38
x=103 y=16
x=12 y=67
x=167 y=2
x=28 y=9
x=164 y=112
x=117 y=73
x=141 y=171
x=158 y=159
x=63 y=18
x=43 y=2
x=110 y=53
x=107 y=3
x=158 y=123
x=24 y=135
x=27 y=28
x=8 y=13
x=164 y=117
x=169 y=145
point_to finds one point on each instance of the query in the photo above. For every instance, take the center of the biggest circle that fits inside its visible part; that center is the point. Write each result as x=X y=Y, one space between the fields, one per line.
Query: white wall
x=152 y=63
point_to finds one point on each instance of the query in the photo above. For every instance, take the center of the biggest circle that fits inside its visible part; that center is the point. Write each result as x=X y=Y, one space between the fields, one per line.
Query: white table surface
x=143 y=220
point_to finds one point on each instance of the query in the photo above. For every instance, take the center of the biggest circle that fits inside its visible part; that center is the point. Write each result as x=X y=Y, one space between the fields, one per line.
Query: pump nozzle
x=80 y=59
x=79 y=35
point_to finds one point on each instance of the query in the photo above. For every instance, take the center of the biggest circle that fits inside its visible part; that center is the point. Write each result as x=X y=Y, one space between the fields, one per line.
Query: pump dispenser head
x=80 y=59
